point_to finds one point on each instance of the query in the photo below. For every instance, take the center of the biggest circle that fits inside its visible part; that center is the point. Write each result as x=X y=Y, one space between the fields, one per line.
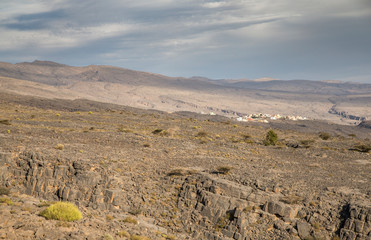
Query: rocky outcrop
x=77 y=181
x=215 y=208
x=208 y=206
x=365 y=124
x=358 y=223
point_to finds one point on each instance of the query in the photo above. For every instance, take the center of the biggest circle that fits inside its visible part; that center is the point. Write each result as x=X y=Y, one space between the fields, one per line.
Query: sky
x=230 y=39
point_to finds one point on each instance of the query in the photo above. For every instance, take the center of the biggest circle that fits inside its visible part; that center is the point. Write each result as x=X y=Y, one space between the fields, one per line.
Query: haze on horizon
x=288 y=39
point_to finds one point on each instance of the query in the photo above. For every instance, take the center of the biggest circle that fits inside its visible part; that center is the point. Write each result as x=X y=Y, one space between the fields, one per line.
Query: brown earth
x=179 y=175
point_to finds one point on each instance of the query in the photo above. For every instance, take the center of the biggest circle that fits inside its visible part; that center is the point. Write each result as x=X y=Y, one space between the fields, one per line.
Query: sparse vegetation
x=4 y=191
x=324 y=135
x=160 y=132
x=6 y=200
x=123 y=234
x=5 y=122
x=59 y=147
x=223 y=221
x=316 y=226
x=224 y=169
x=63 y=211
x=307 y=142
x=115 y=171
x=248 y=209
x=110 y=217
x=135 y=211
x=271 y=138
x=201 y=134
x=147 y=145
x=130 y=220
x=108 y=237
x=361 y=148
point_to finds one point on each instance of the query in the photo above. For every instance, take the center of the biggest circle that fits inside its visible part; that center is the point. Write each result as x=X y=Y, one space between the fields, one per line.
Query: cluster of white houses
x=264 y=117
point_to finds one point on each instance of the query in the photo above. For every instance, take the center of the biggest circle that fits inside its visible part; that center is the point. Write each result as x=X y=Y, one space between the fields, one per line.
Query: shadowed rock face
x=210 y=207
x=365 y=124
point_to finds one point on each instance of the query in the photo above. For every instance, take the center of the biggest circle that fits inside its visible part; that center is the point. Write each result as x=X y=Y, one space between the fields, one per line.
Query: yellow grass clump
x=63 y=211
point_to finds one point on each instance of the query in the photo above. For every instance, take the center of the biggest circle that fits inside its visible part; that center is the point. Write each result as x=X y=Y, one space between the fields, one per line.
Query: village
x=264 y=117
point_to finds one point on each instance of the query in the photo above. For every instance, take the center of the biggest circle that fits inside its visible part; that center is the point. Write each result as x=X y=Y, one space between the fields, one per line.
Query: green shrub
x=63 y=211
x=7 y=201
x=271 y=138
x=324 y=135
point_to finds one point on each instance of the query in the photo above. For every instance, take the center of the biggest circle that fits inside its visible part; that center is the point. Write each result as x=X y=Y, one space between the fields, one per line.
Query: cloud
x=230 y=38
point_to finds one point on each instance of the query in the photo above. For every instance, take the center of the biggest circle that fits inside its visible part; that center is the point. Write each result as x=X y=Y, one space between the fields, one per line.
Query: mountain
x=334 y=101
x=301 y=86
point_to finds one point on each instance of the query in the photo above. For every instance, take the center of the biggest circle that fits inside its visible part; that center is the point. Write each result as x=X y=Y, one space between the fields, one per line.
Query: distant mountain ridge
x=146 y=90
x=301 y=86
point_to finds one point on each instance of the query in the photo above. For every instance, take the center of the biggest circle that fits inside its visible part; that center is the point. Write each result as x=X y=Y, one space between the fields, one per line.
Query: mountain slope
x=109 y=84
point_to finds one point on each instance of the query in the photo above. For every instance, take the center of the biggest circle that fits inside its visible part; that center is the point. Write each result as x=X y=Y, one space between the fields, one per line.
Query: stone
x=304 y=229
x=280 y=208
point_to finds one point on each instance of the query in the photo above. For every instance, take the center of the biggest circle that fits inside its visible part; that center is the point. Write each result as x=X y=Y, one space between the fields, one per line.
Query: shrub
x=324 y=135
x=201 y=134
x=271 y=138
x=224 y=169
x=110 y=217
x=59 y=146
x=361 y=148
x=123 y=234
x=63 y=211
x=4 y=191
x=7 y=201
x=5 y=122
x=135 y=211
x=108 y=237
x=121 y=128
x=130 y=220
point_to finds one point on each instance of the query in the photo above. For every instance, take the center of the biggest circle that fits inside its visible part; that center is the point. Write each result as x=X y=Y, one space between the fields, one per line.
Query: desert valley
x=146 y=156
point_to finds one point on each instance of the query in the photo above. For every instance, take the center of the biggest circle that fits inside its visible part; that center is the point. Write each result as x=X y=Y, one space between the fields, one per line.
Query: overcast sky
x=285 y=39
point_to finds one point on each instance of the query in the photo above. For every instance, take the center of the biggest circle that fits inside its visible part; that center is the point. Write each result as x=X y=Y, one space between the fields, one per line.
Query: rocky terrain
x=344 y=103
x=146 y=174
